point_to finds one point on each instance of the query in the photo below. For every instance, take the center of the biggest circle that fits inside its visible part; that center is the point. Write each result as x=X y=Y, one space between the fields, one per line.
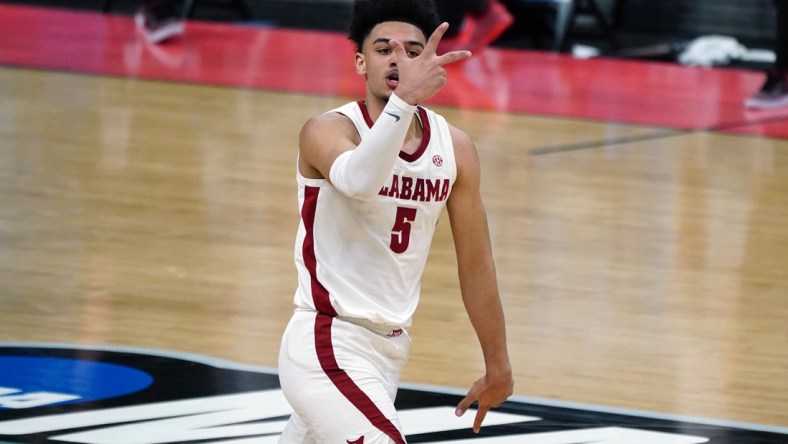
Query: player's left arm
x=478 y=281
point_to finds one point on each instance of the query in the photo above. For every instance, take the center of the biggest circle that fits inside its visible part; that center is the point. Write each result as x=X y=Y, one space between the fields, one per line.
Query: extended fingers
x=480 y=414
x=486 y=401
x=465 y=404
x=435 y=38
x=397 y=47
x=454 y=56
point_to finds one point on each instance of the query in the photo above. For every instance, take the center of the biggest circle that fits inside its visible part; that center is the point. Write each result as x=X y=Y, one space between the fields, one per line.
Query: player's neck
x=375 y=109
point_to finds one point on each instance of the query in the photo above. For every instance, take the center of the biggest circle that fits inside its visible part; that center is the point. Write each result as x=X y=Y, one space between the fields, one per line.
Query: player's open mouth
x=392 y=80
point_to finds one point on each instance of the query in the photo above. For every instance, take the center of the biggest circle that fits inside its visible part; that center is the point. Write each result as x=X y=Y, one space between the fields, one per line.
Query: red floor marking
x=530 y=82
x=768 y=123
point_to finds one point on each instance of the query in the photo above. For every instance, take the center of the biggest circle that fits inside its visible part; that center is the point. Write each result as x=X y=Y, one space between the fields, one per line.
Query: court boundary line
x=729 y=127
x=593 y=144
x=665 y=133
x=231 y=365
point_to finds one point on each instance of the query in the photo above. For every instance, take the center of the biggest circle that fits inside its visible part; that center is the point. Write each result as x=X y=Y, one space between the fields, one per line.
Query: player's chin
x=385 y=95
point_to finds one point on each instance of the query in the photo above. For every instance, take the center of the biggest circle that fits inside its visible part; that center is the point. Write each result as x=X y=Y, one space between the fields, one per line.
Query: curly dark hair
x=369 y=13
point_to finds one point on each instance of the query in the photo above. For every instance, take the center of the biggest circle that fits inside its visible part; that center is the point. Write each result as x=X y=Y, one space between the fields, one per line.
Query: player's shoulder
x=332 y=121
x=460 y=138
x=333 y=117
x=465 y=154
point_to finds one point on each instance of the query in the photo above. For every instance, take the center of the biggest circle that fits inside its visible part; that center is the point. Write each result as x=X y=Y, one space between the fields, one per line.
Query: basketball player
x=373 y=178
x=774 y=91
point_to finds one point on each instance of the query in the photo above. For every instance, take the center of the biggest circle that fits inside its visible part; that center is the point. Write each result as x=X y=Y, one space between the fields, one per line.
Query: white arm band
x=360 y=173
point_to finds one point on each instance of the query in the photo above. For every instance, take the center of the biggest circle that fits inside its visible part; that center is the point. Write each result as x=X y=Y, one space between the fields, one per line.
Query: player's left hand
x=491 y=390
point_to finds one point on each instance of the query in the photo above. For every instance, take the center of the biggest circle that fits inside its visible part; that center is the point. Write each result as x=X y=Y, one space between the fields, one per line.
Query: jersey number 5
x=400 y=232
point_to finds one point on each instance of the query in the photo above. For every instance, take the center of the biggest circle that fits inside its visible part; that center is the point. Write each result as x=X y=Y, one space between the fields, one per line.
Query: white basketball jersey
x=365 y=259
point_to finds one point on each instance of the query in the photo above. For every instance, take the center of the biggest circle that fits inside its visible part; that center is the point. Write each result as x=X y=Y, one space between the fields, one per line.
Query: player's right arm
x=323 y=138
x=330 y=148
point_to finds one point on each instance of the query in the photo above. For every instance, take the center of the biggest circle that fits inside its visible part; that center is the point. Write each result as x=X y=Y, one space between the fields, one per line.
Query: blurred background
x=642 y=29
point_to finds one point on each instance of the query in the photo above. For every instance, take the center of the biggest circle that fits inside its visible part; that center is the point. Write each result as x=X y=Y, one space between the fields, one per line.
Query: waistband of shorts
x=387 y=330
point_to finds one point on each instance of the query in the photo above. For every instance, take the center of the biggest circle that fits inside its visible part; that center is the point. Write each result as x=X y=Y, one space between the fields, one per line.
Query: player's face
x=377 y=61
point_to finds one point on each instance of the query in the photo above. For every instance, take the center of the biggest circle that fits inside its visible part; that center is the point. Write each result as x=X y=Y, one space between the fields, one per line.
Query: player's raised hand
x=424 y=76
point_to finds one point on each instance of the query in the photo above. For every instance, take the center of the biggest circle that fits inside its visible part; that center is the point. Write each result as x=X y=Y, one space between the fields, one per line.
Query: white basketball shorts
x=341 y=380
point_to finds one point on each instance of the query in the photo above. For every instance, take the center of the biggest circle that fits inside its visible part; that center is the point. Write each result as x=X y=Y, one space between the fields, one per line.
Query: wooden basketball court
x=639 y=214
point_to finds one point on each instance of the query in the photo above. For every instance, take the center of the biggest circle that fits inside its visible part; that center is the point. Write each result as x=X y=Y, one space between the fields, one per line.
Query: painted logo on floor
x=116 y=396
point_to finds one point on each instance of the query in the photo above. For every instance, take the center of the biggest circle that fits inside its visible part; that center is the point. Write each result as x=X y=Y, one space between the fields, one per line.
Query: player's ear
x=361 y=64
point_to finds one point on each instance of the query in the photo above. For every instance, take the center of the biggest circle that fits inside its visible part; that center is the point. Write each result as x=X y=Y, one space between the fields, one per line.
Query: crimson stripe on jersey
x=319 y=292
x=425 y=138
x=364 y=112
x=354 y=394
x=425 y=124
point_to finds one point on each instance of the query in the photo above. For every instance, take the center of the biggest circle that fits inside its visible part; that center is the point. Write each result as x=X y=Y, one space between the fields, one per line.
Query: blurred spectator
x=774 y=92
x=473 y=24
x=160 y=20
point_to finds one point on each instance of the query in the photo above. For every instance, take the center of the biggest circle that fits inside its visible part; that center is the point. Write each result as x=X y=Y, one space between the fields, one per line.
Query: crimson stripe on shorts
x=356 y=396
x=319 y=292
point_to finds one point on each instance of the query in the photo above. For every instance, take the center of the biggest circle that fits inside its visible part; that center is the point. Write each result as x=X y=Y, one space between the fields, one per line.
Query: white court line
x=219 y=363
